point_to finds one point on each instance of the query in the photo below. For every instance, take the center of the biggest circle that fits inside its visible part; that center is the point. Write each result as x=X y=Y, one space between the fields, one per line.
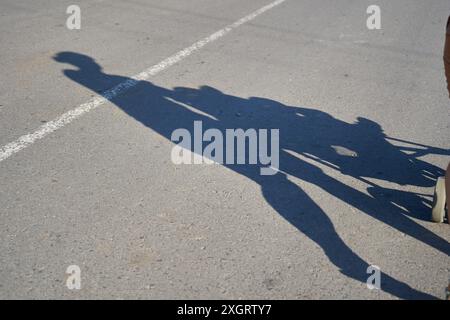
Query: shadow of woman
x=308 y=132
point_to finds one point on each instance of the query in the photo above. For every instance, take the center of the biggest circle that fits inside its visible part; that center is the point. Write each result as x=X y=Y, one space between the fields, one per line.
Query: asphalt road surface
x=364 y=123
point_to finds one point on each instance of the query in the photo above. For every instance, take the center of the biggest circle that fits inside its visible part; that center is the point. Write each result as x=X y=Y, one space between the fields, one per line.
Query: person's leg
x=447 y=190
x=447 y=55
x=447 y=75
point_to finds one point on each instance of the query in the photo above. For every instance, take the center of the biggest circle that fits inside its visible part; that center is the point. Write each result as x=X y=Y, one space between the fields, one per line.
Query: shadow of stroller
x=360 y=150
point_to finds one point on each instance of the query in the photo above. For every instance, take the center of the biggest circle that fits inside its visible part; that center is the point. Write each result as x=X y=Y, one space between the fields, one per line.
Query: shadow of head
x=81 y=61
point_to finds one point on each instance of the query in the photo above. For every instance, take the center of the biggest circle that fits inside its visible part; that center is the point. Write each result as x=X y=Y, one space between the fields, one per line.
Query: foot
x=439 y=199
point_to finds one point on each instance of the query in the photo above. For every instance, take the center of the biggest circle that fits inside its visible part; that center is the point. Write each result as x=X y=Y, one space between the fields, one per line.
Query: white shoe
x=439 y=199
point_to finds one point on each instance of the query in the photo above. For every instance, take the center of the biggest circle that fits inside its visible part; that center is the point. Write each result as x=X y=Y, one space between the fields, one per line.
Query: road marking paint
x=66 y=118
x=191 y=108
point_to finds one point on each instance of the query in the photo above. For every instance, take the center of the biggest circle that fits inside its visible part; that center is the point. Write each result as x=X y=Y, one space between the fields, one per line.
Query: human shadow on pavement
x=359 y=150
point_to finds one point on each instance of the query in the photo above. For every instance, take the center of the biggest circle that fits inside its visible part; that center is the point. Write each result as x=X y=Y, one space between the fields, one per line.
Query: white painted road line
x=51 y=126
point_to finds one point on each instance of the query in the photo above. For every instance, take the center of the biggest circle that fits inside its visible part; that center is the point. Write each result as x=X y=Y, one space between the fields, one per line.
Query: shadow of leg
x=301 y=211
